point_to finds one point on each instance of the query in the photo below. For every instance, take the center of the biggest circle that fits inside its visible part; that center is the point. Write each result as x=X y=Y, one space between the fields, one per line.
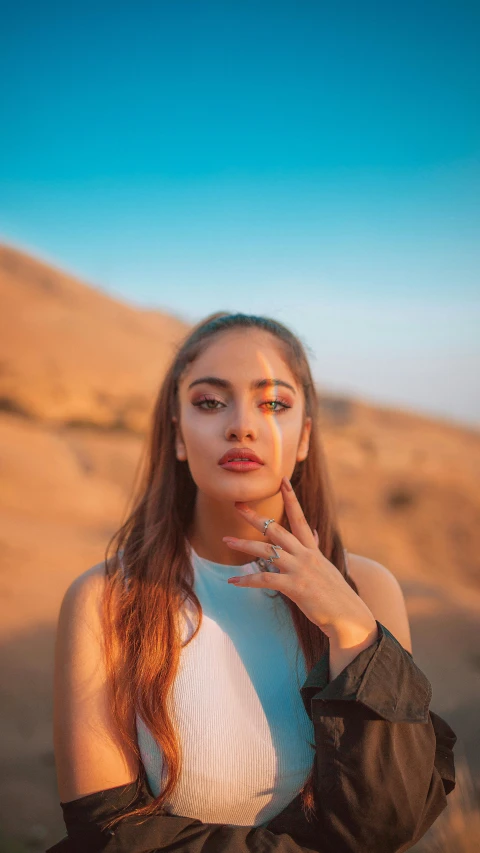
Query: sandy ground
x=72 y=428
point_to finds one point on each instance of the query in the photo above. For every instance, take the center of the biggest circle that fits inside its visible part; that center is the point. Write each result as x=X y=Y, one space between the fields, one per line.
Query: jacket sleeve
x=384 y=762
x=160 y=833
x=383 y=768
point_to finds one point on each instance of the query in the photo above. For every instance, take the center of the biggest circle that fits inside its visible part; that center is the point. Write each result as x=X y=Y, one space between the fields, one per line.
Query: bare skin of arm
x=88 y=754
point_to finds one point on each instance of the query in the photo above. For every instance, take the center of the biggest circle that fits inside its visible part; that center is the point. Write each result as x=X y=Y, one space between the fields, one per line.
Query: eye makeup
x=206 y=398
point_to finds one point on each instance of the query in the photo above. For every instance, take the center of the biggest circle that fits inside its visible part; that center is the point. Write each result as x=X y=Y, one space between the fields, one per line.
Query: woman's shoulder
x=91 y=578
x=81 y=600
x=80 y=620
x=380 y=590
x=84 y=593
x=365 y=571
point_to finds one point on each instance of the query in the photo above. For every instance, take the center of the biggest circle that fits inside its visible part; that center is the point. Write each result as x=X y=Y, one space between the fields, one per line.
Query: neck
x=213 y=519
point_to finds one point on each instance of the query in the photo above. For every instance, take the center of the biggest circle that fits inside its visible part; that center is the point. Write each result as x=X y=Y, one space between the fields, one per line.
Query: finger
x=265 y=550
x=275 y=532
x=299 y=524
x=263 y=580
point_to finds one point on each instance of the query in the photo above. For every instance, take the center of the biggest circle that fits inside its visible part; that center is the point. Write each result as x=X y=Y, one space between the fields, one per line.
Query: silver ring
x=263 y=563
x=276 y=556
x=265 y=525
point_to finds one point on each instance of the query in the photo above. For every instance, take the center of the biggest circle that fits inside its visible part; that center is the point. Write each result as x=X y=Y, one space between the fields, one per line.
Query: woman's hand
x=305 y=575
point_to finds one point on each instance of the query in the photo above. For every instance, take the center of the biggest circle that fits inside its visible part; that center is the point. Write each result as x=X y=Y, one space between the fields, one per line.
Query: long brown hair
x=140 y=616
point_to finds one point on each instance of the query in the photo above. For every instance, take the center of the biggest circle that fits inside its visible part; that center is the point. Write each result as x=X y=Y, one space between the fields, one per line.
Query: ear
x=302 y=451
x=180 y=449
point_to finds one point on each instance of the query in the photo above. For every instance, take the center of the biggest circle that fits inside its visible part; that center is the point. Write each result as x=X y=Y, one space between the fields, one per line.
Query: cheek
x=200 y=460
x=198 y=435
x=291 y=448
x=282 y=440
x=283 y=435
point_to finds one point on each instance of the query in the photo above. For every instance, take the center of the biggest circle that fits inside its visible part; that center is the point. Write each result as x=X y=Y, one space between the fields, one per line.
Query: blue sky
x=319 y=162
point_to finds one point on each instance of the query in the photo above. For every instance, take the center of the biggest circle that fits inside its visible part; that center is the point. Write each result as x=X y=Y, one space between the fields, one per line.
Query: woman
x=192 y=715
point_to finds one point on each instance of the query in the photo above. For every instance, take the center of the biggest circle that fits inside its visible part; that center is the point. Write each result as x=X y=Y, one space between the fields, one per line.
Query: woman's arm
x=88 y=754
x=384 y=766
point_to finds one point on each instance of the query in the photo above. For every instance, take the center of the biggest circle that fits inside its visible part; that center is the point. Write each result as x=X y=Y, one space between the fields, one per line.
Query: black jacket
x=383 y=763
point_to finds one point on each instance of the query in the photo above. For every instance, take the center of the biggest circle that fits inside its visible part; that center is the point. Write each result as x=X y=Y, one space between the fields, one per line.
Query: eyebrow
x=257 y=383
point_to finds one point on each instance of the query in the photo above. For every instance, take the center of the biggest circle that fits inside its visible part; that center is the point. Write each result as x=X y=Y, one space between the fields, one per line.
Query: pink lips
x=240 y=453
x=241 y=465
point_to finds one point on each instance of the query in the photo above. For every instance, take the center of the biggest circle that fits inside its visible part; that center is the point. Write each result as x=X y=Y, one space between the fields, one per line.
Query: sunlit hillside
x=78 y=375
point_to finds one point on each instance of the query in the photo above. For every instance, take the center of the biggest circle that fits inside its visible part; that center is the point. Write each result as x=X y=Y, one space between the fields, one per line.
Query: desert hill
x=72 y=354
x=78 y=374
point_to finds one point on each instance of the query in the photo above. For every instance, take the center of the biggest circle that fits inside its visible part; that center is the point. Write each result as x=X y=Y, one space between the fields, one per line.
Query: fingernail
x=229 y=539
x=286 y=482
x=234 y=580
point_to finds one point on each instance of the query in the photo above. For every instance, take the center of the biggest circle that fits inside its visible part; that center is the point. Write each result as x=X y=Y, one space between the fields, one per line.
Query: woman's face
x=221 y=409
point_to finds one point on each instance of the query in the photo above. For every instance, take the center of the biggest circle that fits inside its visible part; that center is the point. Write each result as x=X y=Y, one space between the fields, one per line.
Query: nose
x=241 y=424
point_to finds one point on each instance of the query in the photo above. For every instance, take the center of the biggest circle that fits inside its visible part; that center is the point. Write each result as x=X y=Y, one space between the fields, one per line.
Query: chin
x=239 y=489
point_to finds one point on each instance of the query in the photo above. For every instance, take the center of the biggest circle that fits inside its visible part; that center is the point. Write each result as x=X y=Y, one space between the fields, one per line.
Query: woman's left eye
x=277 y=402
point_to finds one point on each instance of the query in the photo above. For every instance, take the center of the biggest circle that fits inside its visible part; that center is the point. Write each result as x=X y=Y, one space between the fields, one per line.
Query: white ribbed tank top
x=246 y=739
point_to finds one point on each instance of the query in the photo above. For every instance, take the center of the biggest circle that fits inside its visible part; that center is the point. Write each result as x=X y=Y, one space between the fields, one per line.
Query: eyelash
x=207 y=399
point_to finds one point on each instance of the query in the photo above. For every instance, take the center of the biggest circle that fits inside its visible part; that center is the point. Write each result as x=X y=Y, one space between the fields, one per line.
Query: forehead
x=241 y=355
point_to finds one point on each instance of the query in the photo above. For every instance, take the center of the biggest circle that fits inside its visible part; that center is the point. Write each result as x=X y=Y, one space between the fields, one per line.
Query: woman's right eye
x=199 y=404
